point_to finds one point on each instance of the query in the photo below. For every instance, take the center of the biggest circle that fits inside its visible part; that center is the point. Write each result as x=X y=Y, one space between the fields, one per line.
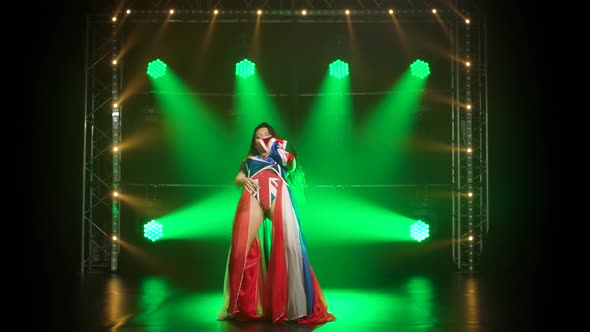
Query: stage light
x=128 y=11
x=347 y=12
x=339 y=69
x=114 y=19
x=245 y=68
x=434 y=11
x=216 y=12
x=115 y=105
x=116 y=194
x=420 y=69
x=469 y=150
x=467 y=21
x=470 y=194
x=468 y=64
x=304 y=12
x=114 y=62
x=391 y=12
x=171 y=11
x=259 y=12
x=153 y=230
x=156 y=69
x=116 y=148
x=470 y=238
x=419 y=230
x=115 y=238
x=469 y=106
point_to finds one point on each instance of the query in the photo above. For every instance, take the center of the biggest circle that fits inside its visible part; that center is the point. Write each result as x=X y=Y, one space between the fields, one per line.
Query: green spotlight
x=156 y=69
x=339 y=69
x=153 y=230
x=245 y=68
x=419 y=230
x=420 y=69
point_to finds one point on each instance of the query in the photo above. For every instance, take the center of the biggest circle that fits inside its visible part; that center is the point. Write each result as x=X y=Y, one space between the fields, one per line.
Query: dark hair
x=272 y=131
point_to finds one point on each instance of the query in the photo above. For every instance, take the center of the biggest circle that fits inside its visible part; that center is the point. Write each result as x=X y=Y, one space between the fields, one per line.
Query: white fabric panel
x=297 y=306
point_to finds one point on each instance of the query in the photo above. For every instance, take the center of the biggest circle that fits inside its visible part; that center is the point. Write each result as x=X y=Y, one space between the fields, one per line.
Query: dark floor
x=452 y=302
x=398 y=287
x=378 y=288
x=177 y=286
x=377 y=296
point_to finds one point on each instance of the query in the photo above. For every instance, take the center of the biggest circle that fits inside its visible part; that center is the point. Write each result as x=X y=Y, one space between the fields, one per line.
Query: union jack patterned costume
x=273 y=279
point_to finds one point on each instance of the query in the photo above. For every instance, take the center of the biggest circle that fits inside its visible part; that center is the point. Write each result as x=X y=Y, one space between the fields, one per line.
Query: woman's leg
x=276 y=288
x=245 y=277
x=256 y=219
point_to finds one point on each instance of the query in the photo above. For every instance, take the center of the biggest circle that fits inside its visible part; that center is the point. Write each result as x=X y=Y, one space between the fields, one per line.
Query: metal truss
x=284 y=5
x=101 y=166
x=102 y=117
x=470 y=146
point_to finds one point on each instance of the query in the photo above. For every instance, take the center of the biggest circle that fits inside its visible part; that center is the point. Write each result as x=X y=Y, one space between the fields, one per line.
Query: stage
x=374 y=284
x=450 y=302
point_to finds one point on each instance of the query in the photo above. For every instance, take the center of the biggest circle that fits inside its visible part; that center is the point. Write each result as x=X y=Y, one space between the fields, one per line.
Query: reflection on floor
x=455 y=302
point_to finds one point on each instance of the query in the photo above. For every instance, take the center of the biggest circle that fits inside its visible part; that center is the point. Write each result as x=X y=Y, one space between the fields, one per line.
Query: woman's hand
x=249 y=185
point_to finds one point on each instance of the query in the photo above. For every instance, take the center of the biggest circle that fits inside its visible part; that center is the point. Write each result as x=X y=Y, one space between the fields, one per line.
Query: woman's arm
x=242 y=181
x=239 y=180
x=279 y=154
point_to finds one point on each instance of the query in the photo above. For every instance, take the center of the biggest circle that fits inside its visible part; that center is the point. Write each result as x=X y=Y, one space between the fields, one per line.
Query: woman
x=269 y=276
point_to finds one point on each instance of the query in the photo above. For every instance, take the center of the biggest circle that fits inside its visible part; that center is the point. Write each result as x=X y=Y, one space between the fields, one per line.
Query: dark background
x=529 y=140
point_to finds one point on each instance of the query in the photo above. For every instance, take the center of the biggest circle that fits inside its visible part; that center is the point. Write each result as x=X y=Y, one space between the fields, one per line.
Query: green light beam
x=386 y=134
x=209 y=218
x=350 y=219
x=194 y=133
x=327 y=137
x=253 y=105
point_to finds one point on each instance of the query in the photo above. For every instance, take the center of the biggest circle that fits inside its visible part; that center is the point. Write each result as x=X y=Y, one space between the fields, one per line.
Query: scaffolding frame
x=470 y=216
x=103 y=116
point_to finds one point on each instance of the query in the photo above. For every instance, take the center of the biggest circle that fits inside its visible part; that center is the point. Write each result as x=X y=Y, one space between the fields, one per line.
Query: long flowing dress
x=273 y=279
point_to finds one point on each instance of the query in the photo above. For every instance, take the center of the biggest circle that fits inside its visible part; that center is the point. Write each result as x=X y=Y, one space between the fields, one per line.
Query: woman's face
x=261 y=134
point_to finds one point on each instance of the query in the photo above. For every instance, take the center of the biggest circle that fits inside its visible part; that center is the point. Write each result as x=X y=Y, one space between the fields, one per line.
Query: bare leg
x=248 y=284
x=256 y=219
